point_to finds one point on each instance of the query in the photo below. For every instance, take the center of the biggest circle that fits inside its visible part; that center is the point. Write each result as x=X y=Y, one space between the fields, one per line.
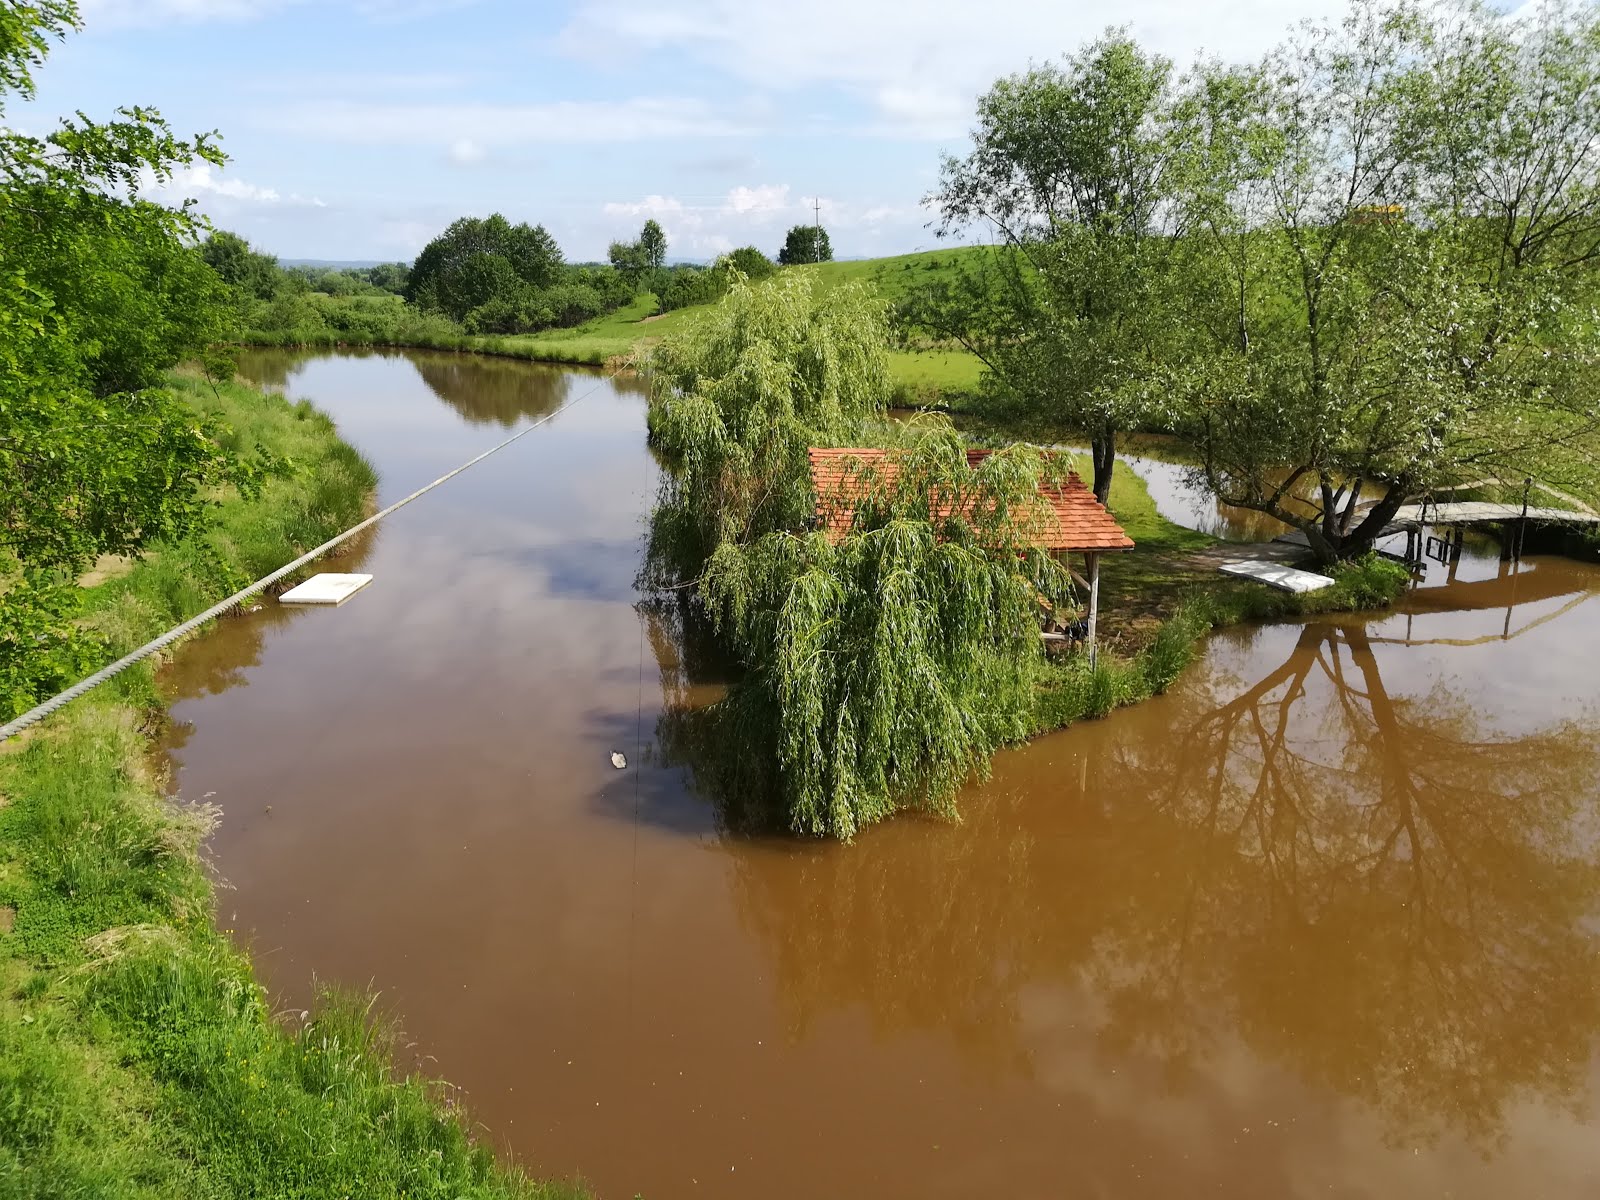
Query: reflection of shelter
x=1073 y=521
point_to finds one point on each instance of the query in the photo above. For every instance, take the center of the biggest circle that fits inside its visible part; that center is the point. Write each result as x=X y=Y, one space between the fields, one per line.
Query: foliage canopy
x=1072 y=167
x=496 y=277
x=1389 y=290
x=101 y=291
x=805 y=244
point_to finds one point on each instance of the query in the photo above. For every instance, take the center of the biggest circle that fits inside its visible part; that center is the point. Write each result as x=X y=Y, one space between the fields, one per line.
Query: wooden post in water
x=1522 y=523
x=1094 y=605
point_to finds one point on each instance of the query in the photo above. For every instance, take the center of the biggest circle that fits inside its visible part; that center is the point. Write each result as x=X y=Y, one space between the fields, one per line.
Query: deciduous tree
x=805 y=244
x=101 y=290
x=653 y=245
x=252 y=274
x=629 y=260
x=477 y=258
x=882 y=668
x=749 y=262
x=1073 y=168
x=1387 y=292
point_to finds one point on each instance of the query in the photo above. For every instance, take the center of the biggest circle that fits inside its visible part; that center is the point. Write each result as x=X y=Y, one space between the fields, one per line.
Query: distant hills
x=337 y=264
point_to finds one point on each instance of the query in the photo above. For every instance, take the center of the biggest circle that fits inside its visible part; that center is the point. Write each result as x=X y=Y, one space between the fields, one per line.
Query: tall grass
x=325 y=490
x=138 y=1057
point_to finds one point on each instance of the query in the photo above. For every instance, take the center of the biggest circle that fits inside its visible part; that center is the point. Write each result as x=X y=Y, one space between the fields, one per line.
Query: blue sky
x=358 y=129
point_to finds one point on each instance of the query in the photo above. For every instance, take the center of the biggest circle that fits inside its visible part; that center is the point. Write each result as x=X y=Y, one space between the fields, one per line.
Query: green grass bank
x=929 y=375
x=138 y=1055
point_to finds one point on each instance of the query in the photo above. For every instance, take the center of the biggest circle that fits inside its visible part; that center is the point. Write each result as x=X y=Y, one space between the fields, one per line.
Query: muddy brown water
x=1322 y=920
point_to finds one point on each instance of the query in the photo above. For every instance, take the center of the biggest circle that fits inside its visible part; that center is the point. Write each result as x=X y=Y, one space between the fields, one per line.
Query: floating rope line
x=38 y=713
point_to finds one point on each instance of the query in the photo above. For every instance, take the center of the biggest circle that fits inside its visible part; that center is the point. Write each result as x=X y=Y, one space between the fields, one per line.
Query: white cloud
x=201 y=182
x=365 y=84
x=484 y=125
x=922 y=102
x=403 y=236
x=467 y=153
x=100 y=13
x=921 y=72
x=651 y=206
x=758 y=199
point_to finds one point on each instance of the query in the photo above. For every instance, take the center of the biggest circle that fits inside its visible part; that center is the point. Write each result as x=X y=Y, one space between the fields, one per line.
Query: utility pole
x=816 y=220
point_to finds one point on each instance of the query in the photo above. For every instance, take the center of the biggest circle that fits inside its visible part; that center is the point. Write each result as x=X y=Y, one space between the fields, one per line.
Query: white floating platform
x=325 y=589
x=1286 y=579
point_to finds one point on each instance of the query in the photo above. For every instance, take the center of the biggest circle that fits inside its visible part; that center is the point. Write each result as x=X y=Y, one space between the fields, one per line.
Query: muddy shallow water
x=1320 y=921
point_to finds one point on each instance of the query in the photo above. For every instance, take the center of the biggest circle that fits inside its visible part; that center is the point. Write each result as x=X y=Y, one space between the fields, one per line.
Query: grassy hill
x=897 y=276
x=924 y=375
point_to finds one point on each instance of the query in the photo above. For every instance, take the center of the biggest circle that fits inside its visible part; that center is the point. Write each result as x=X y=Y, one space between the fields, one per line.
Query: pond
x=1320 y=921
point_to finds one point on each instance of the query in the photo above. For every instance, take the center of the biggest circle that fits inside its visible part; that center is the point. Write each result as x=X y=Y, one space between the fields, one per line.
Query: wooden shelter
x=1076 y=523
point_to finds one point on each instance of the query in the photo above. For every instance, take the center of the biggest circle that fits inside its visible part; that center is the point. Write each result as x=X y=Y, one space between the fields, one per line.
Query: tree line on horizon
x=482 y=276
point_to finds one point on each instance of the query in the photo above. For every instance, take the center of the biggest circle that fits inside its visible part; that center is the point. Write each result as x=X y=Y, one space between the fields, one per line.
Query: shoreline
x=909 y=393
x=135 y=1040
x=489 y=346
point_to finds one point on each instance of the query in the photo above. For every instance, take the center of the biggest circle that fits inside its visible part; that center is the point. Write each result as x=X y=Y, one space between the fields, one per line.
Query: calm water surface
x=1322 y=921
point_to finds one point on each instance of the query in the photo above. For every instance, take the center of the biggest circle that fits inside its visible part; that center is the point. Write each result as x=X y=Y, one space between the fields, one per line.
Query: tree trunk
x=1325 y=551
x=1362 y=538
x=1329 y=535
x=1103 y=448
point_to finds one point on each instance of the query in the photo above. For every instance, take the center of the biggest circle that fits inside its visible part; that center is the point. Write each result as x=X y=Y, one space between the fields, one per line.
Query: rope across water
x=38 y=713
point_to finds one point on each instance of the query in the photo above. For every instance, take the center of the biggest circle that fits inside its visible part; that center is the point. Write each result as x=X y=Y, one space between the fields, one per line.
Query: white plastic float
x=1286 y=579
x=325 y=589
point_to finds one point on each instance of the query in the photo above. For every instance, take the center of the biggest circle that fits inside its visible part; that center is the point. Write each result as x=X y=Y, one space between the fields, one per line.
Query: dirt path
x=1213 y=557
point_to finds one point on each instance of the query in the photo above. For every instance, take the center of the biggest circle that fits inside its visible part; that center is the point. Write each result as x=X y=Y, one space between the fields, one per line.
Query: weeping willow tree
x=885 y=659
x=739 y=397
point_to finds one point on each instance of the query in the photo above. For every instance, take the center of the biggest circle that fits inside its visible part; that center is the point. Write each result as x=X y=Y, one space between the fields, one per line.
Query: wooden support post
x=1094 y=605
x=1522 y=525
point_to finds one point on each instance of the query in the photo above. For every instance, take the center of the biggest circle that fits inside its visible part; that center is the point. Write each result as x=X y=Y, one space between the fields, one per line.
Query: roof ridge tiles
x=1081 y=522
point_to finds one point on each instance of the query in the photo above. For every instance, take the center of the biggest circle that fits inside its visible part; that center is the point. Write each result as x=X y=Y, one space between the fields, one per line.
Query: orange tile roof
x=1080 y=521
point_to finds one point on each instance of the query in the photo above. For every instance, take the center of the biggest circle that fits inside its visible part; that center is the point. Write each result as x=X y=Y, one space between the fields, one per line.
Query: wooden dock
x=1512 y=522
x=1483 y=512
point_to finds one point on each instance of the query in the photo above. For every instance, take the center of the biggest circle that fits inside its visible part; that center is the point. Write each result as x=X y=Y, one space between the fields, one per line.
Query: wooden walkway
x=1483 y=512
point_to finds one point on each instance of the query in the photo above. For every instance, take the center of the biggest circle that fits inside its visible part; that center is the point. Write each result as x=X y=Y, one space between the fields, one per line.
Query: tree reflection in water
x=1373 y=890
x=485 y=390
x=498 y=391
